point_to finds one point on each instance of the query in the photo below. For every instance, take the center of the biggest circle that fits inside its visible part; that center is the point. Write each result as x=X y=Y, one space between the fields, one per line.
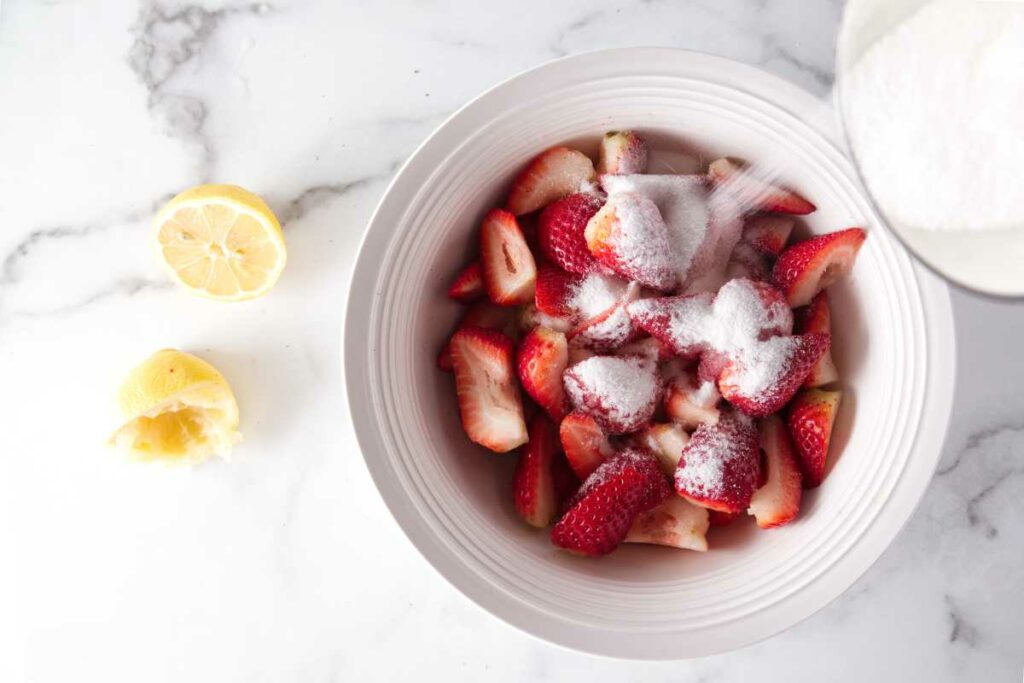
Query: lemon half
x=178 y=408
x=221 y=241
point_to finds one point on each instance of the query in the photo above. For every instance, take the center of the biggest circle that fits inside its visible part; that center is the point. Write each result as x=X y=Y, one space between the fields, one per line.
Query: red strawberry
x=629 y=236
x=810 y=418
x=690 y=402
x=533 y=486
x=768 y=234
x=818 y=318
x=584 y=442
x=719 y=518
x=489 y=401
x=551 y=175
x=603 y=510
x=620 y=393
x=542 y=358
x=677 y=321
x=468 y=284
x=560 y=232
x=565 y=480
x=623 y=152
x=509 y=271
x=777 y=501
x=755 y=193
x=675 y=522
x=666 y=441
x=765 y=381
x=719 y=466
x=808 y=267
x=481 y=314
x=556 y=290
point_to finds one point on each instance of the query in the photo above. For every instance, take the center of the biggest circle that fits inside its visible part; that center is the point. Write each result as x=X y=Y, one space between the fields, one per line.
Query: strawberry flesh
x=585 y=444
x=777 y=501
x=509 y=271
x=542 y=358
x=468 y=285
x=817 y=317
x=533 y=485
x=623 y=152
x=551 y=175
x=807 y=267
x=810 y=418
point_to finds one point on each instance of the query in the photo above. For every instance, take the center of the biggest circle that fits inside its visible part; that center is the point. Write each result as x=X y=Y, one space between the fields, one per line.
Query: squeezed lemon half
x=221 y=241
x=177 y=408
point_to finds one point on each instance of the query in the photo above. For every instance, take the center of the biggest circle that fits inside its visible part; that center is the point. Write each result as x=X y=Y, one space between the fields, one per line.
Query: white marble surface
x=285 y=565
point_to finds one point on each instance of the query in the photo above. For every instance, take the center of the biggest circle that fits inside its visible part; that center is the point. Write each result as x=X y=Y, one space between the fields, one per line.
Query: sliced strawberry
x=556 y=291
x=542 y=358
x=551 y=175
x=777 y=501
x=808 y=267
x=560 y=232
x=817 y=317
x=666 y=441
x=747 y=262
x=565 y=480
x=528 y=317
x=509 y=271
x=468 y=284
x=584 y=443
x=763 y=381
x=719 y=518
x=610 y=328
x=748 y=310
x=489 y=401
x=623 y=152
x=755 y=193
x=810 y=418
x=675 y=522
x=768 y=234
x=603 y=510
x=620 y=393
x=719 y=466
x=691 y=402
x=677 y=321
x=629 y=236
x=481 y=314
x=533 y=485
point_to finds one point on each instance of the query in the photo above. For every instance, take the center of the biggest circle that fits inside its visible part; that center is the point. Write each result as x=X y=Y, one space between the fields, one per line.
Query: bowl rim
x=939 y=332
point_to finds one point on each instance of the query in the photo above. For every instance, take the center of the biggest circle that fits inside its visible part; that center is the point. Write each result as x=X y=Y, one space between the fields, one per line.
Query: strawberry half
x=629 y=236
x=603 y=510
x=675 y=522
x=556 y=291
x=768 y=234
x=620 y=393
x=584 y=443
x=817 y=317
x=808 y=267
x=542 y=358
x=481 y=314
x=623 y=152
x=763 y=382
x=720 y=464
x=509 y=272
x=560 y=232
x=777 y=502
x=468 y=285
x=489 y=401
x=754 y=193
x=533 y=485
x=810 y=418
x=551 y=175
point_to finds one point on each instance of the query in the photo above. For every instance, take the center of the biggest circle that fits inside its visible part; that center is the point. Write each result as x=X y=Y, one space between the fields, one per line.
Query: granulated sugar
x=641 y=241
x=618 y=392
x=597 y=293
x=934 y=114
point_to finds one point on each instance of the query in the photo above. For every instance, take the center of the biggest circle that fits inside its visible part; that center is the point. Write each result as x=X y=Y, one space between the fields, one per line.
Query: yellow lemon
x=177 y=407
x=221 y=241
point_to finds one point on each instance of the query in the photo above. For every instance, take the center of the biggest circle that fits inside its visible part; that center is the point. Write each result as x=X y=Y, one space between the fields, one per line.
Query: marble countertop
x=285 y=565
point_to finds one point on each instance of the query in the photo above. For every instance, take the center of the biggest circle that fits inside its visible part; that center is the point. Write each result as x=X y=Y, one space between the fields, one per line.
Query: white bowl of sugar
x=893 y=343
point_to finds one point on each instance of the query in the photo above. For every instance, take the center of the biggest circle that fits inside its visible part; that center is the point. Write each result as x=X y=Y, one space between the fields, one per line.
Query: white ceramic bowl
x=894 y=345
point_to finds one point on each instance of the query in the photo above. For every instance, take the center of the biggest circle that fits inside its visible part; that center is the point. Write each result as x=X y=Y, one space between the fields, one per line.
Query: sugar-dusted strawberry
x=817 y=317
x=810 y=418
x=719 y=465
x=620 y=393
x=777 y=501
x=603 y=510
x=666 y=441
x=509 y=271
x=585 y=444
x=691 y=402
x=807 y=267
x=629 y=236
x=678 y=321
x=556 y=291
x=542 y=358
x=560 y=232
x=533 y=485
x=468 y=285
x=601 y=304
x=675 y=522
x=755 y=193
x=482 y=314
x=764 y=379
x=489 y=401
x=649 y=347
x=746 y=310
x=622 y=152
x=551 y=175
x=767 y=233
x=719 y=518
